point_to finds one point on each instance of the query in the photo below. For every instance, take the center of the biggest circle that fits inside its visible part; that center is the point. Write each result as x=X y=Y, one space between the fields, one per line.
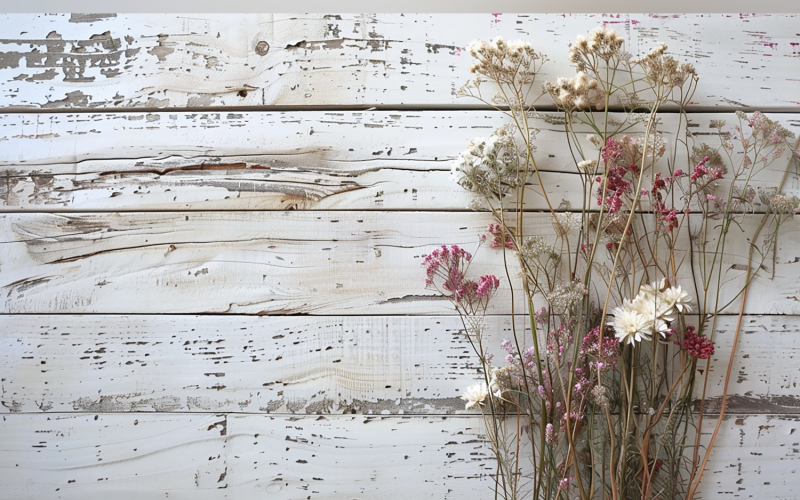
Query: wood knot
x=262 y=48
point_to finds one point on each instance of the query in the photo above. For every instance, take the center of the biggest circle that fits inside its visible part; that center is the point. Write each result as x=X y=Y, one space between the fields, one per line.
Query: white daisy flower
x=660 y=327
x=653 y=289
x=631 y=326
x=677 y=298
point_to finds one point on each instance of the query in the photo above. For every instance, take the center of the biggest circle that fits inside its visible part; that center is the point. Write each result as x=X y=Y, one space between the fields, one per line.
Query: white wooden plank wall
x=190 y=61
x=210 y=248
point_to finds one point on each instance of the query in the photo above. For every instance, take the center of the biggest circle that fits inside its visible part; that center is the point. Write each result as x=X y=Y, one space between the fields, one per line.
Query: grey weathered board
x=178 y=131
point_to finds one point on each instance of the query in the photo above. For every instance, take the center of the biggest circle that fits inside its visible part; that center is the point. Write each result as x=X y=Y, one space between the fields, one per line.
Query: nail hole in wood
x=262 y=48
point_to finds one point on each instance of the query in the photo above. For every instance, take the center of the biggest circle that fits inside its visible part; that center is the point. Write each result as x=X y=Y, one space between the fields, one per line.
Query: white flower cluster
x=664 y=69
x=565 y=222
x=566 y=295
x=596 y=140
x=650 y=312
x=580 y=92
x=778 y=203
x=603 y=43
x=535 y=246
x=480 y=153
x=489 y=165
x=658 y=50
x=498 y=57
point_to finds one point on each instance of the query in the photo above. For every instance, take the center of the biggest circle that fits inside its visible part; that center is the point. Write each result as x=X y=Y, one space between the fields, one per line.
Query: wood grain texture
x=294 y=262
x=437 y=458
x=332 y=457
x=96 y=456
x=293 y=160
x=176 y=129
x=314 y=365
x=177 y=60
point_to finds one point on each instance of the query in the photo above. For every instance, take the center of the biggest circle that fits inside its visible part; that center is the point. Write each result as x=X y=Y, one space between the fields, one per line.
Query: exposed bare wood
x=176 y=60
x=371 y=365
x=278 y=161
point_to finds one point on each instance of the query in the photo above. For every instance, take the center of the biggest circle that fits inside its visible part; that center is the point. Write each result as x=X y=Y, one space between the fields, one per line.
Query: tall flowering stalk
x=599 y=395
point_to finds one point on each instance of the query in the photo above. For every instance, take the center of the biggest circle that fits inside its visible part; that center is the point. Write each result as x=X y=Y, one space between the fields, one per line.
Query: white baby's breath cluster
x=565 y=222
x=580 y=92
x=566 y=295
x=663 y=70
x=603 y=43
x=534 y=246
x=778 y=203
x=650 y=312
x=506 y=60
x=489 y=165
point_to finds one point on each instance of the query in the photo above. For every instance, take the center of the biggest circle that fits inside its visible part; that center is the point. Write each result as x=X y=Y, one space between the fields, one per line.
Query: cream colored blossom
x=678 y=298
x=653 y=289
x=500 y=382
x=650 y=312
x=657 y=311
x=596 y=140
x=588 y=166
x=631 y=326
x=475 y=395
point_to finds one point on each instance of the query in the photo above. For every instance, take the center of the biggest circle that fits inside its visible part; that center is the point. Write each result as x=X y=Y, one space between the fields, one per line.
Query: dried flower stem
x=696 y=482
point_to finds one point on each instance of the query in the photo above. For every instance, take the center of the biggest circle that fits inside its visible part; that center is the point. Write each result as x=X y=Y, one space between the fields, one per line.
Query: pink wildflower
x=699 y=170
x=487 y=285
x=496 y=230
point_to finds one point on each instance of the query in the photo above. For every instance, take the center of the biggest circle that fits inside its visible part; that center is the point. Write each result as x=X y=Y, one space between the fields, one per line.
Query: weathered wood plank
x=350 y=263
x=176 y=60
x=447 y=457
x=317 y=365
x=191 y=456
x=358 y=457
x=103 y=456
x=276 y=161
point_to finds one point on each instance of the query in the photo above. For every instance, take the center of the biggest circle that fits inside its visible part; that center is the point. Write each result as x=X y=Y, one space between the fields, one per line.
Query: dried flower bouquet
x=599 y=395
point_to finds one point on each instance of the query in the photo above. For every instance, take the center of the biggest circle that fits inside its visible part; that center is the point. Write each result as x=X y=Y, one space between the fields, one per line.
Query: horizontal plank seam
x=343 y=315
x=326 y=415
x=78 y=211
x=373 y=107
